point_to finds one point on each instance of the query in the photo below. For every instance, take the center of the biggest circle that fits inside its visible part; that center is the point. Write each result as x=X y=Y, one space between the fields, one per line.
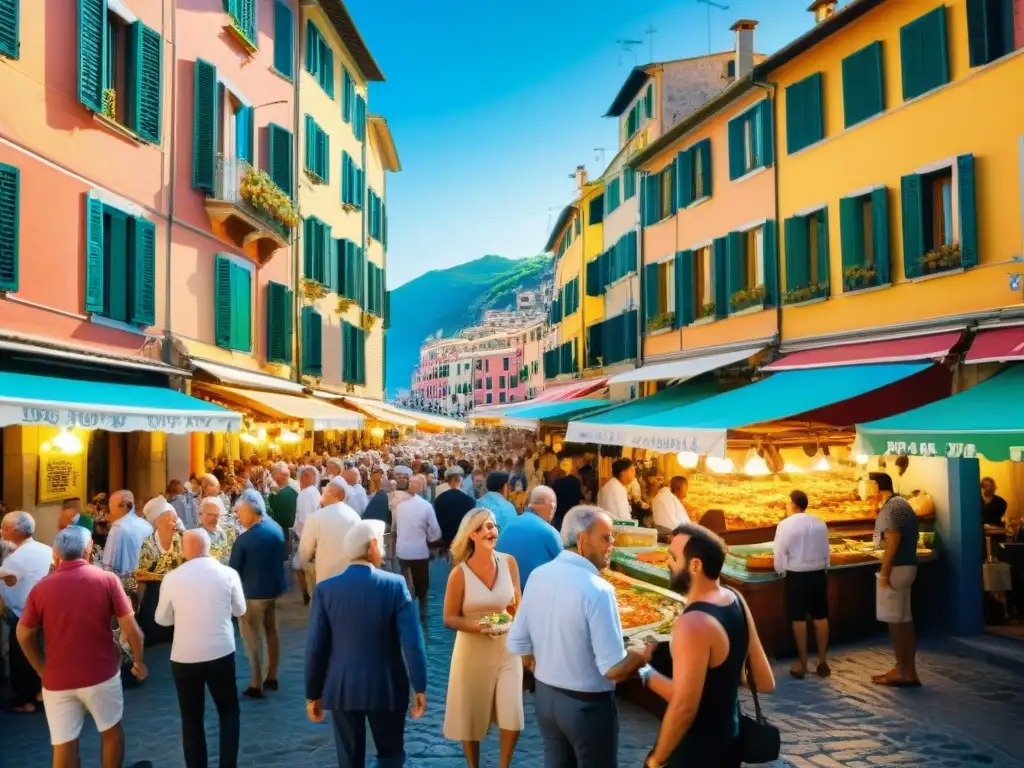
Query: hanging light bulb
x=793 y=469
x=862 y=459
x=261 y=433
x=754 y=465
x=287 y=436
x=687 y=459
x=272 y=446
x=719 y=466
x=821 y=463
x=66 y=442
x=245 y=437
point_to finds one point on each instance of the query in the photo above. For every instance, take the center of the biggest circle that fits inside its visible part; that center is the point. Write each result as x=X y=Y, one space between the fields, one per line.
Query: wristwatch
x=645 y=673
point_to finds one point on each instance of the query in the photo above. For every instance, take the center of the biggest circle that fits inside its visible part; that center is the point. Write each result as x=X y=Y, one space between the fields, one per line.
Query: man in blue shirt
x=258 y=556
x=530 y=538
x=496 y=499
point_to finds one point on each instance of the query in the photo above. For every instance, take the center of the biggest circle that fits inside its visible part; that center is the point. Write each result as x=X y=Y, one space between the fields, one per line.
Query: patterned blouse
x=221 y=543
x=155 y=559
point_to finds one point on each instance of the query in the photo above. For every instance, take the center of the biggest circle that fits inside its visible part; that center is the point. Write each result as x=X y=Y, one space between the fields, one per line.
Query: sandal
x=798 y=671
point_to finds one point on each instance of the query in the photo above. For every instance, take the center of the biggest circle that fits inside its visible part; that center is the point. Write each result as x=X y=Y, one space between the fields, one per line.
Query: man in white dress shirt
x=613 y=497
x=669 y=512
x=306 y=504
x=568 y=622
x=802 y=555
x=128 y=530
x=416 y=528
x=198 y=599
x=355 y=494
x=26 y=565
x=323 y=536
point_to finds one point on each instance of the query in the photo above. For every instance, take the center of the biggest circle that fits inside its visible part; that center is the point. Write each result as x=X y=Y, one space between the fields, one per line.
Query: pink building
x=497 y=377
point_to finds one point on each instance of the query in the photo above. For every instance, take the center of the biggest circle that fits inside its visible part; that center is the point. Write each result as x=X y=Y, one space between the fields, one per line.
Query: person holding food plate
x=485 y=684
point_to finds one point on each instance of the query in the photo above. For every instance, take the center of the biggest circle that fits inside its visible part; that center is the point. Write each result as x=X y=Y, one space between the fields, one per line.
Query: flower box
x=260 y=191
x=942 y=259
x=661 y=321
x=710 y=309
x=859 y=277
x=805 y=293
x=745 y=298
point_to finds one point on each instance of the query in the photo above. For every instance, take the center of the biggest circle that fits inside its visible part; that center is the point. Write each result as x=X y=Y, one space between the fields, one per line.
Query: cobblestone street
x=967 y=714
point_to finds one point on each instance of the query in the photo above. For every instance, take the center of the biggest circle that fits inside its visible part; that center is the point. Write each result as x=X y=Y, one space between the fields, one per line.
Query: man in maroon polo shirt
x=81 y=669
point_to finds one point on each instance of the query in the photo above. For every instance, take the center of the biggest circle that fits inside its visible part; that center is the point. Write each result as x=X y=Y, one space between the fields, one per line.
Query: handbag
x=760 y=741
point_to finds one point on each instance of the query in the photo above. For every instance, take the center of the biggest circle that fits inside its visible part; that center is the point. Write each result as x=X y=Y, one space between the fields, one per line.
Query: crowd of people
x=526 y=533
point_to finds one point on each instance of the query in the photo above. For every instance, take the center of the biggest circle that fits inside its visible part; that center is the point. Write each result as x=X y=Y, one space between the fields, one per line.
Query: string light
x=687 y=459
x=720 y=466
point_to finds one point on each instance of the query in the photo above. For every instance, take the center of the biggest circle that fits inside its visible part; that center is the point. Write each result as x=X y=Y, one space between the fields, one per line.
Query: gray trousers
x=577 y=733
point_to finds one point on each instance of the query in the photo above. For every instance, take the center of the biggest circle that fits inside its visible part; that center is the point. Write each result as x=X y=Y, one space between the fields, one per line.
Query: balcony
x=250 y=207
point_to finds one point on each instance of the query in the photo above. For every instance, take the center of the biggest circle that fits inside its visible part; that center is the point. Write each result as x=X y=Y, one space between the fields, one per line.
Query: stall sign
x=61 y=476
x=947 y=450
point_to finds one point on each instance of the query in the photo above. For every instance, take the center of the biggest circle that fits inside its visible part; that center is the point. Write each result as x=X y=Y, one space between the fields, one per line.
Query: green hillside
x=449 y=299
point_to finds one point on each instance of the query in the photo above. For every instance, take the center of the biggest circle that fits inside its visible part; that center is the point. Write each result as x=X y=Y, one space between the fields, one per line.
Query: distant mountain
x=447 y=300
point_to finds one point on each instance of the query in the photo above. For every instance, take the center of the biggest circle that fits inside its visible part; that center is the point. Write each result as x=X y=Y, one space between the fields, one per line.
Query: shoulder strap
x=750 y=671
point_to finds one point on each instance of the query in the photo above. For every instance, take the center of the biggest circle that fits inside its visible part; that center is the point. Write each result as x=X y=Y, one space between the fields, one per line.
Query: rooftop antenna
x=650 y=32
x=599 y=155
x=627 y=45
x=711 y=4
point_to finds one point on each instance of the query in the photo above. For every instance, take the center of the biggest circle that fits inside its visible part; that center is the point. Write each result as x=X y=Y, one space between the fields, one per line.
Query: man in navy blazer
x=362 y=622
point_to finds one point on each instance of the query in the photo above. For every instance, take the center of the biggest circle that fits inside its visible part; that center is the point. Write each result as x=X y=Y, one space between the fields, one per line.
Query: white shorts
x=892 y=603
x=65 y=710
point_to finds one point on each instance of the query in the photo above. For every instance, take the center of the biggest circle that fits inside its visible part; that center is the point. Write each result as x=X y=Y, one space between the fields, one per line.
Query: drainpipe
x=170 y=186
x=583 y=298
x=296 y=177
x=362 y=221
x=640 y=271
x=770 y=92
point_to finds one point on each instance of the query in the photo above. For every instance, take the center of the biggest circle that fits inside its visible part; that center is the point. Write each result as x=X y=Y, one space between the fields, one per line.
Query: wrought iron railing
x=231 y=171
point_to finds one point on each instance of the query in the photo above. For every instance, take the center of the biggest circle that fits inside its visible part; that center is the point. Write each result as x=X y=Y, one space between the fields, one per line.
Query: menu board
x=61 y=476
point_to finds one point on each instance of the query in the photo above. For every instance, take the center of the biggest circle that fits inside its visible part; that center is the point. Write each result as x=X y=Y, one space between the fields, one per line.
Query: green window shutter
x=360 y=118
x=345 y=376
x=241 y=308
x=331 y=279
x=204 y=126
x=650 y=291
x=347 y=95
x=279 y=313
x=823 y=247
x=117 y=246
x=977 y=34
x=804 y=122
x=880 y=233
x=92 y=27
x=703 y=148
x=9 y=28
x=10 y=220
x=145 y=83
x=346 y=177
x=324 y=254
x=767 y=132
x=924 y=53
x=312 y=47
x=798 y=253
x=247 y=19
x=968 y=214
x=851 y=231
x=323 y=154
x=720 y=257
x=244 y=138
x=284 y=39
x=684 y=178
x=990 y=30
x=649 y=102
x=310 y=133
x=737 y=148
x=143 y=272
x=95 y=267
x=770 y=254
x=387 y=303
x=312 y=342
x=863 y=86
x=222 y=295
x=685 y=311
x=280 y=156
x=913 y=225
x=735 y=259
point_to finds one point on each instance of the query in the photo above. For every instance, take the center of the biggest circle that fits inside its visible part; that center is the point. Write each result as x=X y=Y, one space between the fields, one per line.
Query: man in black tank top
x=710 y=643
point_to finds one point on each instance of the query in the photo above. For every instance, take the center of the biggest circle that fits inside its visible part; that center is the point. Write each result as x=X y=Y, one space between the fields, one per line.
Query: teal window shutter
x=650 y=292
x=310 y=133
x=312 y=47
x=684 y=178
x=323 y=154
x=359 y=127
x=990 y=30
x=145 y=83
x=913 y=225
x=968 y=214
x=9 y=28
x=649 y=102
x=347 y=95
x=95 y=267
x=222 y=301
x=880 y=233
x=346 y=178
x=863 y=86
x=823 y=247
x=685 y=311
x=735 y=258
x=279 y=323
x=720 y=258
x=241 y=308
x=766 y=132
x=244 y=130
x=737 y=148
x=804 y=121
x=703 y=150
x=333 y=281
x=284 y=39
x=798 y=253
x=312 y=342
x=280 y=156
x=92 y=29
x=204 y=126
x=770 y=254
x=117 y=246
x=851 y=231
x=10 y=224
x=143 y=273
x=924 y=53
x=347 y=358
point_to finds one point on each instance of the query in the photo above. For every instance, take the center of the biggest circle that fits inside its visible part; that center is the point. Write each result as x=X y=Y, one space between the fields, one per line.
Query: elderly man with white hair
x=569 y=624
x=530 y=537
x=416 y=528
x=128 y=529
x=361 y=670
x=199 y=600
x=324 y=534
x=307 y=504
x=284 y=497
x=355 y=493
x=222 y=535
x=26 y=565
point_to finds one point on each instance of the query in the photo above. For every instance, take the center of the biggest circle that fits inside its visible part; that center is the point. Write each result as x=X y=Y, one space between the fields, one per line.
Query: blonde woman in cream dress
x=485 y=684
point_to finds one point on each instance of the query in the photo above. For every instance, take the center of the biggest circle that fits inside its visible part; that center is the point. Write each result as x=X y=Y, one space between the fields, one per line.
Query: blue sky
x=493 y=105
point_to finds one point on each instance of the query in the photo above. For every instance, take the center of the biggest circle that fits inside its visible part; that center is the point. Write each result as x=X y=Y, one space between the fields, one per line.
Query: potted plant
x=260 y=191
x=745 y=298
x=659 y=321
x=943 y=258
x=805 y=293
x=710 y=309
x=109 y=103
x=859 y=276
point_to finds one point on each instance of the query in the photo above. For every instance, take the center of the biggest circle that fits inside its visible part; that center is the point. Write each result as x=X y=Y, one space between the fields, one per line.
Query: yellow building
x=344 y=153
x=899 y=140
x=574 y=320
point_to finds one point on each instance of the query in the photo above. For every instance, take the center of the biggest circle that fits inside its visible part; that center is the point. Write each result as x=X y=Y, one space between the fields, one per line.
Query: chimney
x=581 y=178
x=823 y=10
x=744 y=29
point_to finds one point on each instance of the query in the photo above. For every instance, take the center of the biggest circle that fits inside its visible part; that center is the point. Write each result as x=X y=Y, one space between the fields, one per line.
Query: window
x=243 y=19
x=750 y=140
x=754 y=249
x=632 y=124
x=649 y=101
x=119 y=67
x=316 y=245
x=353 y=354
x=667 y=192
x=280 y=308
x=749 y=269
x=628 y=183
x=279 y=153
x=487 y=367
x=479 y=366
x=596 y=210
x=489 y=380
x=990 y=25
x=938 y=208
x=353 y=182
x=318 y=152
x=864 y=232
x=659 y=294
x=490 y=398
x=505 y=364
x=693 y=173
x=10 y=198
x=703 y=283
x=359 y=119
x=805 y=123
x=612 y=195
x=232 y=304
x=348 y=96
x=863 y=90
x=9 y=32
x=501 y=382
x=352 y=271
x=319 y=58
x=312 y=342
x=120 y=264
x=375 y=294
x=376 y=225
x=501 y=397
x=807 y=257
x=235 y=134
x=570 y=297
x=479 y=383
x=284 y=40
x=924 y=54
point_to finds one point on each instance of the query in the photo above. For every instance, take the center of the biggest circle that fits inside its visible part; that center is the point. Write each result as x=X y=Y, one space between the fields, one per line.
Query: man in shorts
x=896 y=532
x=81 y=673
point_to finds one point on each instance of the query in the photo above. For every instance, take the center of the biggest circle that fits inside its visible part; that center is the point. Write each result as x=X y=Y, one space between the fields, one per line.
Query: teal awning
x=50 y=401
x=529 y=415
x=986 y=419
x=701 y=425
